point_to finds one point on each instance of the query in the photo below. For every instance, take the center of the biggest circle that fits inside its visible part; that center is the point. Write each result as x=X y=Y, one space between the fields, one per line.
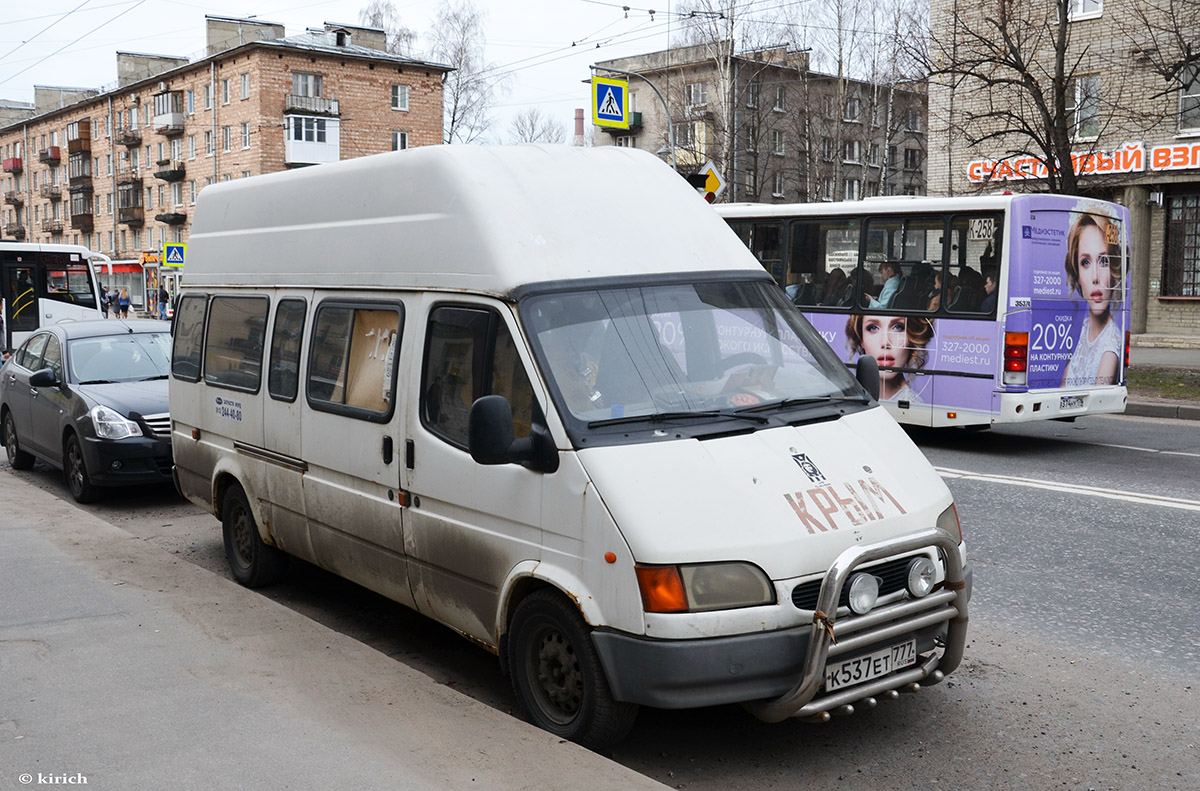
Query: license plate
x=1072 y=402
x=873 y=665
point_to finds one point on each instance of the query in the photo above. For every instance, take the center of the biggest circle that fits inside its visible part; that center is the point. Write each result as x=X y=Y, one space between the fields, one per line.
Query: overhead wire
x=72 y=43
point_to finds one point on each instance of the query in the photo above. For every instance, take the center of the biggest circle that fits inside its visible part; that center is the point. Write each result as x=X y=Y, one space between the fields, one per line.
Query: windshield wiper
x=788 y=403
x=660 y=417
x=152 y=378
x=99 y=382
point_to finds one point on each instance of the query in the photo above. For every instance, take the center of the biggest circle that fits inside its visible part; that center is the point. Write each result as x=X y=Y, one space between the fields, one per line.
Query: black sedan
x=90 y=397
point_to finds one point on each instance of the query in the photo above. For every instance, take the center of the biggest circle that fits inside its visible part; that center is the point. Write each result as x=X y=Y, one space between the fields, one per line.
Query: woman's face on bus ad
x=886 y=339
x=1095 y=277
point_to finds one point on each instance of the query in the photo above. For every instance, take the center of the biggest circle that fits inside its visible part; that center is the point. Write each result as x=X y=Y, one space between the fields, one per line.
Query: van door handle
x=387 y=450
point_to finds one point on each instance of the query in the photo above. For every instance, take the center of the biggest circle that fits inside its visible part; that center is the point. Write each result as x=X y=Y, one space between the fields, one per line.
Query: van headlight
x=111 y=424
x=948 y=520
x=702 y=587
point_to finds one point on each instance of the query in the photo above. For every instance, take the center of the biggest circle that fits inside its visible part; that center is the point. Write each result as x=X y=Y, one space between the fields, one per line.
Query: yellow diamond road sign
x=610 y=102
x=715 y=182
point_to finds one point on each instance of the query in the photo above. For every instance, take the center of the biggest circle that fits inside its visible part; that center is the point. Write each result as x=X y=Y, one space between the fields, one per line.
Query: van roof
x=485 y=219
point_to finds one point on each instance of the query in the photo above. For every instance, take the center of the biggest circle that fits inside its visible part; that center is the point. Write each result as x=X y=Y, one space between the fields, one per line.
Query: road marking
x=1143 y=450
x=1073 y=488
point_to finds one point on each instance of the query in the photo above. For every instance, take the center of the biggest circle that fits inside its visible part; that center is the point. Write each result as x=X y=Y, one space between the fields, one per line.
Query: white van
x=546 y=397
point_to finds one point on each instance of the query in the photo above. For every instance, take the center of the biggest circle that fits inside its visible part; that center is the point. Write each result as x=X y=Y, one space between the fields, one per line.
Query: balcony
x=83 y=221
x=170 y=170
x=169 y=124
x=310 y=105
x=129 y=137
x=50 y=191
x=12 y=165
x=131 y=179
x=52 y=226
x=79 y=145
x=51 y=156
x=14 y=198
x=635 y=124
x=133 y=215
x=80 y=183
x=172 y=218
x=15 y=230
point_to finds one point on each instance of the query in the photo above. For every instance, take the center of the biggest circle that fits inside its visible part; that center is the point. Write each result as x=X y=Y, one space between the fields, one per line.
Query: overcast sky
x=74 y=42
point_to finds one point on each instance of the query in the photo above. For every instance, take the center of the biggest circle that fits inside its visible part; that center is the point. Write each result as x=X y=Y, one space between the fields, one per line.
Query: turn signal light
x=1016 y=357
x=662 y=589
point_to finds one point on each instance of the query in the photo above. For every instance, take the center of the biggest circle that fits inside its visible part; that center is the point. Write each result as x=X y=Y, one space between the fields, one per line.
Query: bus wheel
x=557 y=676
x=253 y=563
x=19 y=459
x=75 y=471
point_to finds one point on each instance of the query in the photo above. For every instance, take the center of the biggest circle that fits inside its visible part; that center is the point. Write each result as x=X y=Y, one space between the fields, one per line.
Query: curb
x=1163 y=409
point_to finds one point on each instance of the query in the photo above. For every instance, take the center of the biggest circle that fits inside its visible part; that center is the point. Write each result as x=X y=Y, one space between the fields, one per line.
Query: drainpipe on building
x=112 y=158
x=212 y=92
x=27 y=207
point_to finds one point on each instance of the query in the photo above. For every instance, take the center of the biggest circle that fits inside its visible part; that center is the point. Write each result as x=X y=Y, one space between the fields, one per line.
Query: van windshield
x=682 y=350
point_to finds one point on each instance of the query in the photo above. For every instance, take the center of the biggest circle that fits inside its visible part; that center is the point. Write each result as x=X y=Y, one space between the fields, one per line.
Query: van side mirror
x=867 y=374
x=490 y=438
x=43 y=378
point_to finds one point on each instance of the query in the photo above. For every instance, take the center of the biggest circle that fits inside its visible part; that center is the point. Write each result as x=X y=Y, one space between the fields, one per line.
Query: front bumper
x=129 y=461
x=779 y=674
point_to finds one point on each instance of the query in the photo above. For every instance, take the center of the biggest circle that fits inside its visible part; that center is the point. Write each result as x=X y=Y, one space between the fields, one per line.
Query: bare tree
x=383 y=14
x=531 y=125
x=470 y=90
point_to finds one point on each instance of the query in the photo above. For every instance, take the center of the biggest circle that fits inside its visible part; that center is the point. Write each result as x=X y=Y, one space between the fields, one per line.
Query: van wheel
x=75 y=471
x=253 y=563
x=557 y=676
x=19 y=459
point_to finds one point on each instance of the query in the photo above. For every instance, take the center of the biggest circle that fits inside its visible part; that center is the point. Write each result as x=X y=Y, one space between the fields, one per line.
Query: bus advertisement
x=978 y=310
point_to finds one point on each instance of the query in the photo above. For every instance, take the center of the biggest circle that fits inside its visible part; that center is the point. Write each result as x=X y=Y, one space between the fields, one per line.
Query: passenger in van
x=896 y=342
x=889 y=273
x=1094 y=270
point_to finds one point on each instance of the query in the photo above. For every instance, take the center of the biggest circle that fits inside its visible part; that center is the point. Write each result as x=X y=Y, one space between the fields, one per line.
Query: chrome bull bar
x=947 y=604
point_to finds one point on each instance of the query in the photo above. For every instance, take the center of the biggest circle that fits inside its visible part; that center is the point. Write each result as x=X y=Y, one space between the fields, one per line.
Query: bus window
x=975 y=246
x=69 y=281
x=822 y=254
x=766 y=243
x=906 y=255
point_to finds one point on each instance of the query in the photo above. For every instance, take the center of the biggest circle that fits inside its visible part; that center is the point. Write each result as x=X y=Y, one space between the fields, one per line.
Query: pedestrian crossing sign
x=174 y=253
x=610 y=102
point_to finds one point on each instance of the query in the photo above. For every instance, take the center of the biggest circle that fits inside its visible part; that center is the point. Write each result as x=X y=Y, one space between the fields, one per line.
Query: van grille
x=892 y=573
x=159 y=424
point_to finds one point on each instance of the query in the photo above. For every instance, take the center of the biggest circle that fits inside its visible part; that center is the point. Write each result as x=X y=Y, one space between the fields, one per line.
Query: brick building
x=118 y=170
x=1135 y=139
x=777 y=130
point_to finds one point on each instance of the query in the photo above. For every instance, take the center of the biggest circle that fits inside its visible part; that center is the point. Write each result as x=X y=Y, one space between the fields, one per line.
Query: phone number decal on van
x=229 y=409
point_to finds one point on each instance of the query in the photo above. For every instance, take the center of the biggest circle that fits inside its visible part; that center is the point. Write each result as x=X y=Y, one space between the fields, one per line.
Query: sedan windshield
x=670 y=352
x=128 y=357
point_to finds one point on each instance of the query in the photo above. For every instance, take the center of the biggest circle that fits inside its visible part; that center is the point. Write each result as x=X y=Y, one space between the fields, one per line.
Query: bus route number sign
x=982 y=229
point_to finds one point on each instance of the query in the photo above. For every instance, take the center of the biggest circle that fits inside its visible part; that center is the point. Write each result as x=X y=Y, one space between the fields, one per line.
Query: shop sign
x=1129 y=158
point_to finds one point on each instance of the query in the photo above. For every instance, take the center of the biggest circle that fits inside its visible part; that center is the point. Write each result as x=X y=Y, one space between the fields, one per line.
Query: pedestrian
x=123 y=304
x=163 y=298
x=105 y=299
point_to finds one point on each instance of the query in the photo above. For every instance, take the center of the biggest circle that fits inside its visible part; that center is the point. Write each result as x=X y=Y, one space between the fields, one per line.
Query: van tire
x=253 y=563
x=557 y=676
x=19 y=459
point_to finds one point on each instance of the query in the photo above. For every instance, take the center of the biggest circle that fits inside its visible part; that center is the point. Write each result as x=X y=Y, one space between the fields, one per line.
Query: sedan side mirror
x=867 y=374
x=44 y=378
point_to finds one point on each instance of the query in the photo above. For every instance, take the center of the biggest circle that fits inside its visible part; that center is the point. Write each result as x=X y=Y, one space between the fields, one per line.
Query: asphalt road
x=1081 y=670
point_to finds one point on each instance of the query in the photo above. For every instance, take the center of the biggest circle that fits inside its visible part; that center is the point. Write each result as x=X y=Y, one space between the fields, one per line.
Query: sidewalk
x=128 y=667
x=1168 y=355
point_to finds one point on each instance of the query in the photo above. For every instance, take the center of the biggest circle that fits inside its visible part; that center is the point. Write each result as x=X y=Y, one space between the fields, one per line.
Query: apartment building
x=119 y=170
x=1134 y=133
x=778 y=131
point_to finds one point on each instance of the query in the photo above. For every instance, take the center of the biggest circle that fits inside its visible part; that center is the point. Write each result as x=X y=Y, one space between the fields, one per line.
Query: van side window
x=283 y=377
x=189 y=337
x=470 y=353
x=234 y=352
x=352 y=362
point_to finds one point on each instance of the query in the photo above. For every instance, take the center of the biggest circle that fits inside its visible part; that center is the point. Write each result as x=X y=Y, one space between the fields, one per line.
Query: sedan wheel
x=82 y=488
x=19 y=459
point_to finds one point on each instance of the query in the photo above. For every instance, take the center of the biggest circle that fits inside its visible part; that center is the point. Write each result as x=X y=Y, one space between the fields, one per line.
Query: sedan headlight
x=709 y=586
x=111 y=424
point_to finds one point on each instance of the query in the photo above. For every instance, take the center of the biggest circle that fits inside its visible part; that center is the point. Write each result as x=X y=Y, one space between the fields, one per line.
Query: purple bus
x=979 y=310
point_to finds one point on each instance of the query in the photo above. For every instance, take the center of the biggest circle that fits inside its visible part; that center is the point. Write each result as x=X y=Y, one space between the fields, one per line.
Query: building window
x=626 y=141
x=777 y=142
x=191 y=146
x=777 y=190
x=827 y=105
x=827 y=189
x=752 y=93
x=399 y=141
x=828 y=149
x=873 y=155
x=685 y=135
x=191 y=102
x=307 y=130
x=400 y=98
x=852 y=189
x=1083 y=107
x=245 y=86
x=1189 y=99
x=226 y=138
x=853 y=151
x=192 y=192
x=1084 y=9
x=1181 y=261
x=853 y=110
x=225 y=91
x=245 y=134
x=697 y=94
x=209 y=143
x=912 y=159
x=208 y=97
x=304 y=84
x=912 y=121
x=779 y=98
